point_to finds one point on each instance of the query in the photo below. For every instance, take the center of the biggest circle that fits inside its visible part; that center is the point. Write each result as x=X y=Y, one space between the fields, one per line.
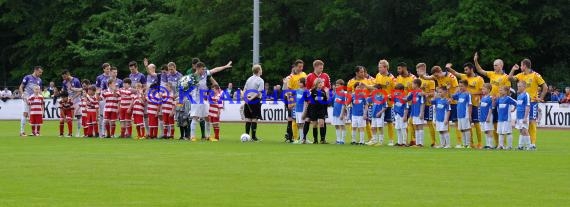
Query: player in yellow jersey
x=406 y=79
x=498 y=79
x=387 y=81
x=296 y=75
x=428 y=88
x=292 y=83
x=474 y=87
x=361 y=76
x=448 y=80
x=536 y=88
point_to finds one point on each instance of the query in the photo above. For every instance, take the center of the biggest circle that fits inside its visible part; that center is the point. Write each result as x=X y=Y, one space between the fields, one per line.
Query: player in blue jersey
x=464 y=107
x=442 y=113
x=300 y=107
x=504 y=117
x=359 y=107
x=523 y=110
x=417 y=108
x=400 y=110
x=339 y=111
x=486 y=115
x=379 y=105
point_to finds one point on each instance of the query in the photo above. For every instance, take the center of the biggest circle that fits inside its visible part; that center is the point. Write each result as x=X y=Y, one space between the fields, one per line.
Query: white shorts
x=504 y=127
x=101 y=111
x=399 y=122
x=299 y=117
x=487 y=126
x=440 y=126
x=358 y=122
x=200 y=110
x=25 y=105
x=336 y=121
x=417 y=121
x=463 y=124
x=520 y=125
x=377 y=122
x=76 y=109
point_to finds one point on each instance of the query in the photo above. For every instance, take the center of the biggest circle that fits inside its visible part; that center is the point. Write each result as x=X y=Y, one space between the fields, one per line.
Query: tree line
x=81 y=35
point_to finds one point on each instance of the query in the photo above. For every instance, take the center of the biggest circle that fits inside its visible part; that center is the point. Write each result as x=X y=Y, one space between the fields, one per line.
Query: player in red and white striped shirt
x=215 y=109
x=82 y=115
x=152 y=112
x=36 y=103
x=111 y=98
x=66 y=109
x=168 y=112
x=137 y=109
x=126 y=102
x=92 y=104
x=84 y=118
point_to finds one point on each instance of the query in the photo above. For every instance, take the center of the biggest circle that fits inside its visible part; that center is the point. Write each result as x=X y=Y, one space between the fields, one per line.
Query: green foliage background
x=81 y=35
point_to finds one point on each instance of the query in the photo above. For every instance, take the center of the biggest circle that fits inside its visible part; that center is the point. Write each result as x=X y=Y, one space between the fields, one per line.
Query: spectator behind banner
x=567 y=98
x=230 y=90
x=276 y=92
x=5 y=94
x=54 y=93
x=46 y=93
x=51 y=89
x=235 y=94
x=16 y=94
x=268 y=91
x=555 y=96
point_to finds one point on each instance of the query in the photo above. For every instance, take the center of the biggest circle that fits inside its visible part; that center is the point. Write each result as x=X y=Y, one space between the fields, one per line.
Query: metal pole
x=255 y=32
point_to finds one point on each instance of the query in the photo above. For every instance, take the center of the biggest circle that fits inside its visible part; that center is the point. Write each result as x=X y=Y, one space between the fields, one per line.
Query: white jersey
x=201 y=85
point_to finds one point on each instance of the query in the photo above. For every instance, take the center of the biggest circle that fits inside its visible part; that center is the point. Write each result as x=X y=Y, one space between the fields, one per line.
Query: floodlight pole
x=256 y=31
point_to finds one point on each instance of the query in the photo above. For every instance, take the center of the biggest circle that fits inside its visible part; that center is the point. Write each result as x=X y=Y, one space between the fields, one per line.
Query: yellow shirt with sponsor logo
x=366 y=81
x=294 y=80
x=497 y=81
x=406 y=81
x=451 y=83
x=533 y=81
x=428 y=86
x=388 y=82
x=474 y=87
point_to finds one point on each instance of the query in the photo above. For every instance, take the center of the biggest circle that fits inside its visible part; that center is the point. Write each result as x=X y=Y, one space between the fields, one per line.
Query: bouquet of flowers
x=188 y=81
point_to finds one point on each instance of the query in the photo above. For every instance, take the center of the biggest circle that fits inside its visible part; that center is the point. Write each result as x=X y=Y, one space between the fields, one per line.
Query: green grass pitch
x=52 y=171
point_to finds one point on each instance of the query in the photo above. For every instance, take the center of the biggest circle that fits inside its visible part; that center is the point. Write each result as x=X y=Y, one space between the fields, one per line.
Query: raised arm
x=218 y=69
x=214 y=82
x=477 y=66
x=449 y=67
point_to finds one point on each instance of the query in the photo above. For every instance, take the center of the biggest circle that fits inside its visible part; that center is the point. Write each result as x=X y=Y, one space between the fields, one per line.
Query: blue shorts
x=428 y=113
x=495 y=115
x=388 y=115
x=533 y=113
x=453 y=114
x=474 y=114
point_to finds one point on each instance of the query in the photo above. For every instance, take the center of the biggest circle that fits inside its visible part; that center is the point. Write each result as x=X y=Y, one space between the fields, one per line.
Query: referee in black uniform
x=254 y=87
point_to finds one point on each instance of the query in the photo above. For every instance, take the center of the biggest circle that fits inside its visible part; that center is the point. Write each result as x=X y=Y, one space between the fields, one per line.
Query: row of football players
x=359 y=109
x=128 y=105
